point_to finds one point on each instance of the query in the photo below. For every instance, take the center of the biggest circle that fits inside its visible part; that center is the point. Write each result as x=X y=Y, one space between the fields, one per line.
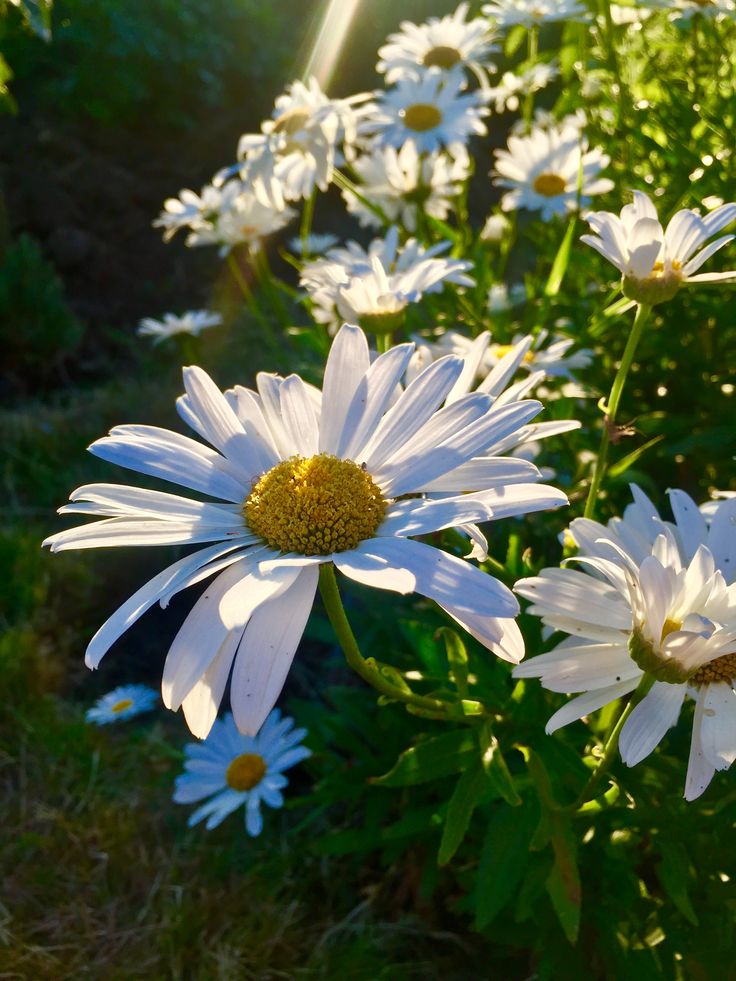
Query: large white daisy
x=532 y=13
x=652 y=597
x=443 y=43
x=654 y=263
x=543 y=171
x=304 y=478
x=430 y=111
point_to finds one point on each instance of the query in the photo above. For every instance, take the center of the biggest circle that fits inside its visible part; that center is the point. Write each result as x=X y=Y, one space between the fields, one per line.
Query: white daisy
x=531 y=13
x=544 y=119
x=543 y=169
x=389 y=270
x=298 y=147
x=122 y=703
x=502 y=298
x=192 y=322
x=233 y=770
x=495 y=228
x=443 y=43
x=306 y=478
x=507 y=95
x=404 y=183
x=652 y=597
x=245 y=219
x=685 y=10
x=653 y=262
x=431 y=112
x=191 y=210
x=316 y=244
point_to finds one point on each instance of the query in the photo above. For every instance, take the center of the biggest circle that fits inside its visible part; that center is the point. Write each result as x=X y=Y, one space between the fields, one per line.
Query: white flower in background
x=544 y=119
x=247 y=219
x=305 y=478
x=403 y=183
x=495 y=228
x=299 y=147
x=543 y=171
x=431 y=112
x=510 y=91
x=531 y=13
x=622 y=16
x=233 y=770
x=192 y=322
x=684 y=10
x=653 y=262
x=652 y=596
x=192 y=210
x=122 y=703
x=443 y=43
x=710 y=507
x=408 y=272
x=502 y=298
x=316 y=244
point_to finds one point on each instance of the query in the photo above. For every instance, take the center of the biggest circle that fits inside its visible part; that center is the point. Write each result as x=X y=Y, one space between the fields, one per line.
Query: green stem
x=336 y=613
x=345 y=184
x=383 y=342
x=642 y=315
x=532 y=52
x=250 y=300
x=306 y=225
x=609 y=752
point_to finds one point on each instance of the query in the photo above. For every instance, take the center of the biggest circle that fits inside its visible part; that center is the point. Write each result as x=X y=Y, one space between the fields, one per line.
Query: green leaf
x=514 y=40
x=559 y=266
x=563 y=882
x=503 y=860
x=673 y=872
x=457 y=657
x=623 y=465
x=495 y=767
x=466 y=795
x=602 y=802
x=431 y=759
x=7 y=102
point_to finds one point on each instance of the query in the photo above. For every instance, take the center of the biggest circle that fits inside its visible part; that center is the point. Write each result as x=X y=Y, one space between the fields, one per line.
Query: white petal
x=718 y=730
x=501 y=374
x=201 y=705
x=645 y=243
x=267 y=650
x=347 y=363
x=576 y=708
x=472 y=358
x=521 y=499
x=697 y=260
x=699 y=770
x=115 y=532
x=722 y=539
x=481 y=473
x=121 y=500
x=219 y=424
x=420 y=517
x=649 y=721
x=691 y=524
x=685 y=232
x=299 y=419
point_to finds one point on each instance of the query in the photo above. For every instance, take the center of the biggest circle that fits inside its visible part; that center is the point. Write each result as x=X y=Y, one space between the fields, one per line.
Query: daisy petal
x=649 y=721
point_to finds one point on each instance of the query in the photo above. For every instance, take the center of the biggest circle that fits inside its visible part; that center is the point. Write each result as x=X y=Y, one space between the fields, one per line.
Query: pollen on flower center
x=721 y=669
x=421 y=116
x=246 y=771
x=314 y=505
x=550 y=185
x=122 y=705
x=441 y=57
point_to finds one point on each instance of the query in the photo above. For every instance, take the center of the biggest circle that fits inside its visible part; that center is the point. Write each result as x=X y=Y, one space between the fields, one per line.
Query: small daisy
x=400 y=274
x=245 y=219
x=192 y=322
x=278 y=454
x=191 y=210
x=507 y=95
x=543 y=170
x=532 y=13
x=122 y=703
x=316 y=244
x=232 y=769
x=654 y=263
x=495 y=228
x=298 y=147
x=652 y=597
x=443 y=43
x=404 y=183
x=431 y=112
x=502 y=298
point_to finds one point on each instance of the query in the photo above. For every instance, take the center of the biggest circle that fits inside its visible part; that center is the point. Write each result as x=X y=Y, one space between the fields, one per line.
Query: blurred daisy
x=385 y=277
x=543 y=171
x=544 y=119
x=655 y=263
x=122 y=703
x=315 y=244
x=653 y=597
x=443 y=43
x=245 y=219
x=192 y=322
x=685 y=10
x=513 y=88
x=403 y=184
x=430 y=112
x=502 y=298
x=531 y=13
x=191 y=210
x=305 y=478
x=495 y=228
x=299 y=146
x=233 y=770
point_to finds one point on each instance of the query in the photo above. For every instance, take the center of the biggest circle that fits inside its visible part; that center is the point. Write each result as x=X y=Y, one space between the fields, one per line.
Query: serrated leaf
x=503 y=860
x=431 y=759
x=467 y=793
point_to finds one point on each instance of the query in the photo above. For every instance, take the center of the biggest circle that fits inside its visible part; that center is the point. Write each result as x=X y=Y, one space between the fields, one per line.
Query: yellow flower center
x=246 y=771
x=314 y=505
x=441 y=57
x=501 y=350
x=669 y=627
x=421 y=117
x=122 y=705
x=722 y=669
x=291 y=121
x=550 y=185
